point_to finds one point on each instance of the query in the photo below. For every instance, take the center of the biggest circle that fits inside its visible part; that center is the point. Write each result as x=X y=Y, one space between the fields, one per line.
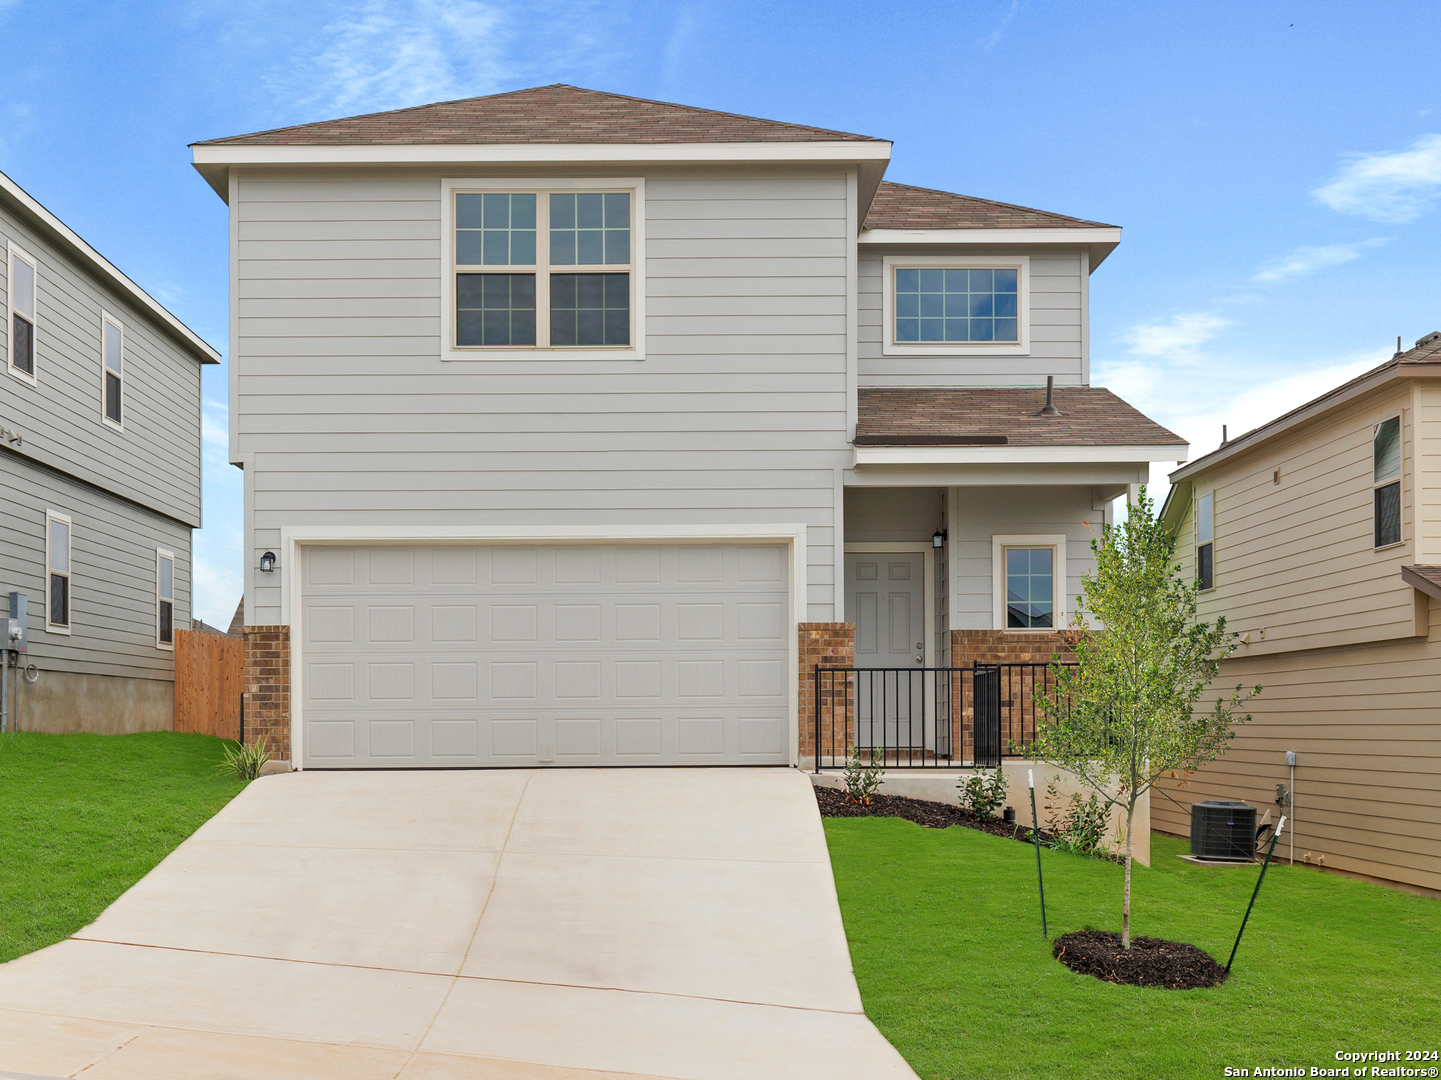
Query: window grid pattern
x=1030 y=588
x=956 y=305
x=525 y=307
x=1385 y=473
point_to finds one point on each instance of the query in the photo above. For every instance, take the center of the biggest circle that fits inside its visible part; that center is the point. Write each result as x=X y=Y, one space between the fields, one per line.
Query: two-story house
x=99 y=479
x=577 y=428
x=1318 y=537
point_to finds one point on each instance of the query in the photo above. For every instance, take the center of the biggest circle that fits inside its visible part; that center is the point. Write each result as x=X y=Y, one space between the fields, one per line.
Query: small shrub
x=983 y=795
x=244 y=762
x=1082 y=823
x=862 y=778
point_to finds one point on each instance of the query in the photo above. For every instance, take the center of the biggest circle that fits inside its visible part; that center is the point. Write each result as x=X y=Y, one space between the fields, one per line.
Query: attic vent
x=1434 y=335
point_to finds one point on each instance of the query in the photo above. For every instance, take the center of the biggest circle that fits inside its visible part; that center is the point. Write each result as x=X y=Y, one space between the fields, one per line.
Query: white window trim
x=1399 y=478
x=999 y=543
x=1196 y=498
x=1019 y=263
x=12 y=252
x=56 y=515
x=161 y=553
x=104 y=418
x=538 y=352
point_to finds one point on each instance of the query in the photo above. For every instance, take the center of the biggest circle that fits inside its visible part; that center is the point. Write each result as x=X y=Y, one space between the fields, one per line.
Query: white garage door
x=544 y=654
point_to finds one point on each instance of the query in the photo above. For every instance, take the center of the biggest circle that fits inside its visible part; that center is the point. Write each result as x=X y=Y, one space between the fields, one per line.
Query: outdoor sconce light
x=938 y=539
x=267 y=562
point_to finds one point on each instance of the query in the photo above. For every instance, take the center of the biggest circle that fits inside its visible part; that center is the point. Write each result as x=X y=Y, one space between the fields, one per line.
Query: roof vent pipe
x=1050 y=409
x=1224 y=440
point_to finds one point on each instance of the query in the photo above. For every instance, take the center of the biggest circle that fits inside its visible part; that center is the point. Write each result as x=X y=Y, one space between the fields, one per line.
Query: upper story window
x=21 y=289
x=538 y=269
x=1386 y=481
x=164 y=599
x=112 y=342
x=1206 y=541
x=57 y=572
x=956 y=305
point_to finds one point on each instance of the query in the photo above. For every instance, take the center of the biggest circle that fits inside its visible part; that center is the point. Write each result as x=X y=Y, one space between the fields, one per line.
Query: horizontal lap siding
x=737 y=414
x=1366 y=727
x=1297 y=558
x=1056 y=334
x=155 y=460
x=112 y=580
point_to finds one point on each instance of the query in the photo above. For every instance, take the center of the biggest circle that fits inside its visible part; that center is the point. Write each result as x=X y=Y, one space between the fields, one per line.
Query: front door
x=885 y=598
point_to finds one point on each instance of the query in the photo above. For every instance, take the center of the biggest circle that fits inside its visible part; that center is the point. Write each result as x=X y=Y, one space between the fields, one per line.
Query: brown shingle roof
x=1425 y=578
x=1090 y=416
x=900 y=206
x=543 y=114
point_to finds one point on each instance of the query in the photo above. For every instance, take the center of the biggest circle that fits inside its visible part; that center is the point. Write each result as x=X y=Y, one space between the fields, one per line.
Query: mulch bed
x=1172 y=965
x=931 y=815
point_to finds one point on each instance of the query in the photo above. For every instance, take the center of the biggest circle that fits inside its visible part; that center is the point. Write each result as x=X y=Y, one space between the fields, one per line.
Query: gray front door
x=885 y=598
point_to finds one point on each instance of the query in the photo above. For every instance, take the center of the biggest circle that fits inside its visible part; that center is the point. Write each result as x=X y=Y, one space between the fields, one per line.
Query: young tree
x=1125 y=714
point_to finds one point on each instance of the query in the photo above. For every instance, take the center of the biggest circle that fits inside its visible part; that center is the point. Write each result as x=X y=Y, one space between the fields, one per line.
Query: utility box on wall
x=17 y=631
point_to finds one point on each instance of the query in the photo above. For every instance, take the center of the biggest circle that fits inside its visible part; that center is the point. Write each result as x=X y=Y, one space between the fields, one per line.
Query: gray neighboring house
x=99 y=477
x=577 y=427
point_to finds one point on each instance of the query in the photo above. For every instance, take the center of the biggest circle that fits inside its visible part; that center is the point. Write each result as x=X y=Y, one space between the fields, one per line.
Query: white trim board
x=929 y=584
x=1027 y=455
x=294 y=537
x=1081 y=235
x=1021 y=347
x=1059 y=578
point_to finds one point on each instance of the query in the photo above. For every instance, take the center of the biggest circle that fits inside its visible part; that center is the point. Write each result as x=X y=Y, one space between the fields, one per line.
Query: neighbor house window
x=112 y=342
x=951 y=305
x=1386 y=480
x=57 y=570
x=1030 y=588
x=1206 y=541
x=544 y=269
x=21 y=290
x=164 y=599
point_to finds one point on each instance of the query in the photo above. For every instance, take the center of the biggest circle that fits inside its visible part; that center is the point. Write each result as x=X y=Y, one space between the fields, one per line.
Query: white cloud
x=1307 y=260
x=1180 y=336
x=1394 y=187
x=387 y=54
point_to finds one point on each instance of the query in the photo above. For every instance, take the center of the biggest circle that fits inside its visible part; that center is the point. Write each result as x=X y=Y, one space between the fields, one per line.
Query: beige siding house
x=578 y=428
x=1318 y=538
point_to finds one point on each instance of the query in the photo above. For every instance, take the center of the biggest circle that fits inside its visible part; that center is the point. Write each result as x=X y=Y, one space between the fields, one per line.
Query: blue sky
x=1276 y=166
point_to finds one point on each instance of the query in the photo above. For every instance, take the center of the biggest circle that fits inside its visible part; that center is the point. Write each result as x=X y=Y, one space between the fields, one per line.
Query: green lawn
x=945 y=934
x=84 y=817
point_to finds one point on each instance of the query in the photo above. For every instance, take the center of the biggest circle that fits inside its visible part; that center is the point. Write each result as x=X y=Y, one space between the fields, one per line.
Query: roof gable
x=545 y=114
x=901 y=206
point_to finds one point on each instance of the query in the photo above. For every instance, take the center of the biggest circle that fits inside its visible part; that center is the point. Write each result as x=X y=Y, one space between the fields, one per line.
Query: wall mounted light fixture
x=267 y=562
x=938 y=538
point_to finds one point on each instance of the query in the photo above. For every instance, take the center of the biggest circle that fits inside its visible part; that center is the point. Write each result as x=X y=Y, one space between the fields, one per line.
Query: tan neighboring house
x=1318 y=537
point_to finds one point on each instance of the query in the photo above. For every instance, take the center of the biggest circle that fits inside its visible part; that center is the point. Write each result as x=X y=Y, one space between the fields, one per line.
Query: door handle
x=920 y=660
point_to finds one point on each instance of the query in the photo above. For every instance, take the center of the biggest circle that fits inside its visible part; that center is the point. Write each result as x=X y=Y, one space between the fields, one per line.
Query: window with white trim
x=540 y=269
x=1030 y=588
x=956 y=304
x=1206 y=541
x=1386 y=481
x=164 y=599
x=57 y=572
x=20 y=289
x=112 y=358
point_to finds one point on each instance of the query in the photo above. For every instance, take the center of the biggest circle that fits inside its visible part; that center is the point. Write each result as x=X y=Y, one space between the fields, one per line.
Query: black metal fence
x=928 y=717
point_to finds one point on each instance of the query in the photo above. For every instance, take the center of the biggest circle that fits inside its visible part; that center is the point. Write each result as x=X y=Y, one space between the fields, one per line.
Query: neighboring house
x=1318 y=537
x=99 y=477
x=577 y=428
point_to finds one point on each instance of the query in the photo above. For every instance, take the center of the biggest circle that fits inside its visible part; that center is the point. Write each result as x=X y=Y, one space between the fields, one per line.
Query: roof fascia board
x=541 y=153
x=1178 y=498
x=62 y=234
x=995 y=455
x=1307 y=413
x=1100 y=241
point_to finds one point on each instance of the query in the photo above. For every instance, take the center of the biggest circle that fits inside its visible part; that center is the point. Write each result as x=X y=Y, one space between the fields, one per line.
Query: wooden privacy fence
x=207 y=683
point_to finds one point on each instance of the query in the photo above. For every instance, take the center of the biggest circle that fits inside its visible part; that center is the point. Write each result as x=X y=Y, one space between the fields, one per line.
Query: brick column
x=267 y=688
x=999 y=647
x=826 y=644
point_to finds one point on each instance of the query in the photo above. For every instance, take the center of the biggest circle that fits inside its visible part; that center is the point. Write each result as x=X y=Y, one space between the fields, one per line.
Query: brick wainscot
x=267 y=688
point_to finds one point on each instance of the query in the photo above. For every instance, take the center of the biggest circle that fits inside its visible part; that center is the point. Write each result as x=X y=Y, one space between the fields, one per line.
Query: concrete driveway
x=541 y=925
